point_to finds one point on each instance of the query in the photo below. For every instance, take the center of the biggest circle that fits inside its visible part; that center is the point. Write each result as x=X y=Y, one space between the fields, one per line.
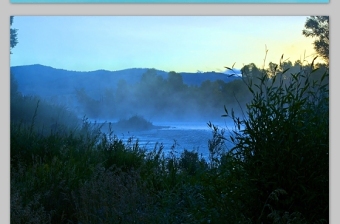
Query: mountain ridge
x=37 y=78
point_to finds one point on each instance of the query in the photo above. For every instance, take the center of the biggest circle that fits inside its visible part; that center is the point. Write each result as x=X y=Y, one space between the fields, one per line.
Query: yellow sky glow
x=169 y=43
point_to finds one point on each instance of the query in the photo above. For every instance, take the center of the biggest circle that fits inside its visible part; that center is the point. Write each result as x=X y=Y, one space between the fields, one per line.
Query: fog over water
x=175 y=136
x=148 y=105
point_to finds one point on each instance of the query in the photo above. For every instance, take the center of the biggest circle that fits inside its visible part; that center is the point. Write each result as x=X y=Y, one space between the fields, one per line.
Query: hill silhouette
x=47 y=81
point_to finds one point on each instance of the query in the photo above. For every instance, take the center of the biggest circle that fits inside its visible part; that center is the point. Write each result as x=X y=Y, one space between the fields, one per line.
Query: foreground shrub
x=113 y=196
x=282 y=149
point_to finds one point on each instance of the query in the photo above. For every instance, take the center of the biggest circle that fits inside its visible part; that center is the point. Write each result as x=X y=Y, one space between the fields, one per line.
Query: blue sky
x=169 y=43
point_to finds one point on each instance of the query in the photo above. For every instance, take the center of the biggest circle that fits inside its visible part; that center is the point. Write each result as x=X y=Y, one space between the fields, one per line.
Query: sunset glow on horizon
x=169 y=43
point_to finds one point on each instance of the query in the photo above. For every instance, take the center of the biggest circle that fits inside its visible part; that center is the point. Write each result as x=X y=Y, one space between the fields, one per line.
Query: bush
x=282 y=148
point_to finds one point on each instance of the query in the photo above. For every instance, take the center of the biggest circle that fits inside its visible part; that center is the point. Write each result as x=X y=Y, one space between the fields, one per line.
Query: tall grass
x=276 y=173
x=282 y=149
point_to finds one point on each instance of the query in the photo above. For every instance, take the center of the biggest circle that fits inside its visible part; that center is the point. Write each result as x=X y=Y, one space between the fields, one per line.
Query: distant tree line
x=157 y=97
x=170 y=98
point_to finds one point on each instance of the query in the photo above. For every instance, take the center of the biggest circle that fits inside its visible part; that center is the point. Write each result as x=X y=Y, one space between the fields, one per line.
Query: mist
x=162 y=99
x=155 y=95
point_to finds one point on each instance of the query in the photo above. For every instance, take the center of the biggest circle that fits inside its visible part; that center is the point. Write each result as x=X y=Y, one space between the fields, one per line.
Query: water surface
x=180 y=136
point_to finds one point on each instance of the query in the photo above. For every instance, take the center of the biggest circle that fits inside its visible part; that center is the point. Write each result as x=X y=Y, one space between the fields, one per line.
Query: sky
x=169 y=43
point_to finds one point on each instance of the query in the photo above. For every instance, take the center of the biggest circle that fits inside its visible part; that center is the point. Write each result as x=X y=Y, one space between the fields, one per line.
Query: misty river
x=182 y=135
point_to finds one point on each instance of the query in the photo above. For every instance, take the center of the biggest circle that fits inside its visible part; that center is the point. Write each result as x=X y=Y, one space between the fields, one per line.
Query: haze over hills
x=116 y=94
x=47 y=81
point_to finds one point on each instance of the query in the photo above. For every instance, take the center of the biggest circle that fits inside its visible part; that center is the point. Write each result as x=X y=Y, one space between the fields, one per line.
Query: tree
x=250 y=71
x=318 y=27
x=13 y=42
x=13 y=35
x=175 y=81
